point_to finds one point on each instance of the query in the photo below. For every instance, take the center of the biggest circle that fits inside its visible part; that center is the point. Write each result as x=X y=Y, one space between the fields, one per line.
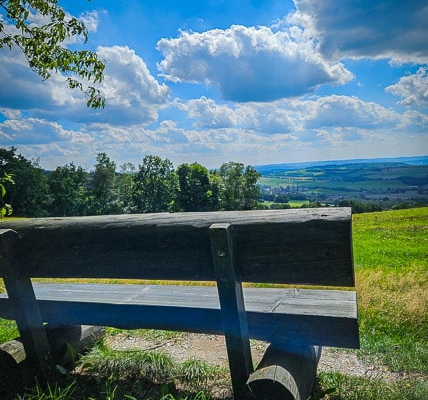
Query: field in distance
x=387 y=183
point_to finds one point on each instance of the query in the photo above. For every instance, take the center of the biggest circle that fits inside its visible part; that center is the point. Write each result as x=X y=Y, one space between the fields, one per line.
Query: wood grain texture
x=320 y=317
x=27 y=312
x=305 y=246
x=232 y=305
x=286 y=374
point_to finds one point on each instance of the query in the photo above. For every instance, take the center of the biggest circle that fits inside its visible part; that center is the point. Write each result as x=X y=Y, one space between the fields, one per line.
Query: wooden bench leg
x=232 y=308
x=27 y=314
x=285 y=373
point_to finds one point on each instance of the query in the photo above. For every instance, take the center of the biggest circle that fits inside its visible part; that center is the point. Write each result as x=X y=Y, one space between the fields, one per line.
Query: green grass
x=391 y=267
x=298 y=203
x=360 y=388
x=391 y=261
x=396 y=240
x=109 y=374
x=8 y=330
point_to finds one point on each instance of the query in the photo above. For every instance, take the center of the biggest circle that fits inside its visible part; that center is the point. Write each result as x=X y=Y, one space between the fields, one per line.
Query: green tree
x=125 y=186
x=195 y=188
x=251 y=191
x=240 y=190
x=29 y=194
x=216 y=190
x=43 y=44
x=103 y=197
x=5 y=208
x=67 y=190
x=155 y=186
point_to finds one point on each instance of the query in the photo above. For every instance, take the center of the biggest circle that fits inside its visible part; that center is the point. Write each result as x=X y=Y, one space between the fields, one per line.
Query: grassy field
x=391 y=261
x=391 y=267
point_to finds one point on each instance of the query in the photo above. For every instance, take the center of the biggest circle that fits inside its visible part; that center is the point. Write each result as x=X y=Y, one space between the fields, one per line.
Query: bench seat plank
x=319 y=317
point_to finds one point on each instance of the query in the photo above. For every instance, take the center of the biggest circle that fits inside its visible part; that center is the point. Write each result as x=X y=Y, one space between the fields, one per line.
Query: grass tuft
x=55 y=392
x=149 y=365
x=195 y=372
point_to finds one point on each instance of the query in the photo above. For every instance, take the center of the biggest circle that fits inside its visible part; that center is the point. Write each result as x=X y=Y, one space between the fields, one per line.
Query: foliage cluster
x=5 y=208
x=39 y=29
x=154 y=186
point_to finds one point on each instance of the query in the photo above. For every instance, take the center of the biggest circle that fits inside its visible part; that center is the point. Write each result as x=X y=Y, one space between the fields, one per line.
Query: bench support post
x=27 y=314
x=232 y=308
x=286 y=372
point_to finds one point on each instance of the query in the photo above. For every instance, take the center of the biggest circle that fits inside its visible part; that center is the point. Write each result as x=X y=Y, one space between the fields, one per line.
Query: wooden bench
x=305 y=246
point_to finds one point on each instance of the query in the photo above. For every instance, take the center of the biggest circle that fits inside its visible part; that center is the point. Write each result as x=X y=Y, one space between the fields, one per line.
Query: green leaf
x=61 y=369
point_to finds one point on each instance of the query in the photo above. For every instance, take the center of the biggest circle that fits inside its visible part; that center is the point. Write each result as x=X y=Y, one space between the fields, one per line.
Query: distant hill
x=419 y=160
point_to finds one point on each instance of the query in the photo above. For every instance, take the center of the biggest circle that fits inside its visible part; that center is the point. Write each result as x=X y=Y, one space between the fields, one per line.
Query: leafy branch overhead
x=43 y=44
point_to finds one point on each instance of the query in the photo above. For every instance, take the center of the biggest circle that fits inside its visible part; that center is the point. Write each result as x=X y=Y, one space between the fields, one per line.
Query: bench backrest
x=304 y=246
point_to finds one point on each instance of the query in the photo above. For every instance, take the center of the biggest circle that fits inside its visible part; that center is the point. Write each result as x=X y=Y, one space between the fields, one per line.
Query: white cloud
x=10 y=113
x=263 y=118
x=392 y=29
x=300 y=118
x=208 y=114
x=132 y=94
x=250 y=64
x=413 y=89
x=34 y=131
x=345 y=112
x=90 y=19
x=417 y=121
x=20 y=87
x=285 y=130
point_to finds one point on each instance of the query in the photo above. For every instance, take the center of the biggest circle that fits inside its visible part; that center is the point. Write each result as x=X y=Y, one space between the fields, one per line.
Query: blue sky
x=258 y=82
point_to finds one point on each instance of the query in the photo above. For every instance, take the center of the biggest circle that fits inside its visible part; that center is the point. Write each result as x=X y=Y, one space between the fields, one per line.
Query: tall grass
x=391 y=260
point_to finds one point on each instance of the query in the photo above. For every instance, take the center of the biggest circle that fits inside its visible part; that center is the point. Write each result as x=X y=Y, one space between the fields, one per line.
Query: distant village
x=395 y=186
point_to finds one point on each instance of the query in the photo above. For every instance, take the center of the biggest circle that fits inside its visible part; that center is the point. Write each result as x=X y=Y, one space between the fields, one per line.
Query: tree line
x=152 y=186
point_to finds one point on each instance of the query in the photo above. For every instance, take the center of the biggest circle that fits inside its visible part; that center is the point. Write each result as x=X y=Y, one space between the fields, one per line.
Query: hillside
x=386 y=184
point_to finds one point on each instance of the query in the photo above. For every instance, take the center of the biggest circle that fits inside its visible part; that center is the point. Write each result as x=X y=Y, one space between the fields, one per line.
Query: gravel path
x=212 y=349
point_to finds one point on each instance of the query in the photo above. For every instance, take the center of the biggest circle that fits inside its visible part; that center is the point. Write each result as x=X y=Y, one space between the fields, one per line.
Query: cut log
x=11 y=375
x=61 y=339
x=285 y=373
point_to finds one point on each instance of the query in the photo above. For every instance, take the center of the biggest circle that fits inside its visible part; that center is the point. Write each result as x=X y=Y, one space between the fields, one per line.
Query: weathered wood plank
x=305 y=246
x=232 y=307
x=332 y=320
x=27 y=314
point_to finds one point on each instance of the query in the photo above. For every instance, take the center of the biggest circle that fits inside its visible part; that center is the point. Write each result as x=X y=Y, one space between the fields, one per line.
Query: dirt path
x=212 y=349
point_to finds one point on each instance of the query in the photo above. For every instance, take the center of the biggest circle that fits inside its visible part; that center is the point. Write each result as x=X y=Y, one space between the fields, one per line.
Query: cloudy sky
x=253 y=81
